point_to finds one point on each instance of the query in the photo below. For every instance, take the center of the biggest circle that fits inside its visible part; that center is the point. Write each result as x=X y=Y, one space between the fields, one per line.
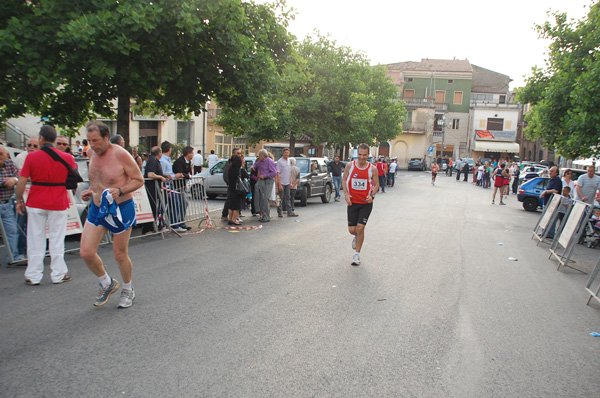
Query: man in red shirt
x=360 y=187
x=47 y=202
x=382 y=170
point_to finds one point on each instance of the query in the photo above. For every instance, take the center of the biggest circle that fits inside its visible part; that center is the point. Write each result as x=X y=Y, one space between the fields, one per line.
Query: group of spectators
x=386 y=171
x=268 y=180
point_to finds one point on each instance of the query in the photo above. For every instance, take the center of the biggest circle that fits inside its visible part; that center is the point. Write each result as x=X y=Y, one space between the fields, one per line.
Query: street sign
x=431 y=149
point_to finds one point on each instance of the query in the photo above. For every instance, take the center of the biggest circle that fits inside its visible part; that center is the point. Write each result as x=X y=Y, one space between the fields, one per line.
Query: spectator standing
x=197 y=162
x=212 y=159
x=283 y=184
x=587 y=185
x=9 y=175
x=294 y=180
x=233 y=197
x=32 y=146
x=459 y=165
x=47 y=203
x=61 y=143
x=554 y=187
x=175 y=201
x=86 y=148
x=465 y=170
x=392 y=173
x=568 y=182
x=118 y=140
x=153 y=175
x=183 y=166
x=266 y=172
x=382 y=171
x=234 y=152
x=137 y=158
x=79 y=148
x=498 y=178
x=336 y=173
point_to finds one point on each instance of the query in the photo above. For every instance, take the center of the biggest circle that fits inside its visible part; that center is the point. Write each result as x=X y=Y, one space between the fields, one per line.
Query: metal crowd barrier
x=181 y=201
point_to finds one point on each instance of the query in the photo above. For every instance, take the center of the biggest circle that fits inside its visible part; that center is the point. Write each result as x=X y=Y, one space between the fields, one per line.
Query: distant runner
x=434 y=171
x=360 y=183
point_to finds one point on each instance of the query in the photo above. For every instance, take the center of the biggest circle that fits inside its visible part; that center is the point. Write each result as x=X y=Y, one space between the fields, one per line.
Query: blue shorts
x=113 y=224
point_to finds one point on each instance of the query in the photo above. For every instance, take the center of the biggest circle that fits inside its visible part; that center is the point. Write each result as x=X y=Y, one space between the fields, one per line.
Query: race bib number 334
x=359 y=184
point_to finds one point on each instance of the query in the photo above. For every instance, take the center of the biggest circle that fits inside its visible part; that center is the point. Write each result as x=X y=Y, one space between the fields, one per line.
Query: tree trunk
x=292 y=144
x=123 y=109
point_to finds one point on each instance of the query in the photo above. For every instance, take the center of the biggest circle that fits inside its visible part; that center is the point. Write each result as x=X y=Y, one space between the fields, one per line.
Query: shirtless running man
x=114 y=175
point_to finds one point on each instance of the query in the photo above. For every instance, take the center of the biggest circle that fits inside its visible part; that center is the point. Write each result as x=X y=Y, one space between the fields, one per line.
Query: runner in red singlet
x=361 y=183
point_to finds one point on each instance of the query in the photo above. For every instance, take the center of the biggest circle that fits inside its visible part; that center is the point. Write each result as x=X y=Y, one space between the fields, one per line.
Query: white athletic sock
x=127 y=286
x=357 y=253
x=105 y=280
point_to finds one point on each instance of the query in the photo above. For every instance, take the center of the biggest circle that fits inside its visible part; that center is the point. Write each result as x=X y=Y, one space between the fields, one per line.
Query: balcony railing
x=412 y=103
x=486 y=104
x=413 y=127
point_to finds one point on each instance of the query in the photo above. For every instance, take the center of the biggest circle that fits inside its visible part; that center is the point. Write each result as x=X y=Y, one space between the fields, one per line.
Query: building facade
x=436 y=94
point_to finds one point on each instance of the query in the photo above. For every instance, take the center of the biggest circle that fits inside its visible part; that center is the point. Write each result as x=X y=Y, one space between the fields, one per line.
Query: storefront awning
x=495 y=146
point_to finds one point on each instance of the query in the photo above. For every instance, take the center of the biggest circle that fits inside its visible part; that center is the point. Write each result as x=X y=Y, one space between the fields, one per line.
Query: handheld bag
x=242 y=186
x=73 y=178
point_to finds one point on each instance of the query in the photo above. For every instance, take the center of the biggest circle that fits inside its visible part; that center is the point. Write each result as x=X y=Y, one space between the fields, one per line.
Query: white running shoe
x=356 y=259
x=127 y=297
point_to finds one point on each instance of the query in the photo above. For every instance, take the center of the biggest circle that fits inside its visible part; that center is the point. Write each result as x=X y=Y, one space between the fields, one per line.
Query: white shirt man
x=197 y=162
x=587 y=185
x=32 y=145
x=212 y=159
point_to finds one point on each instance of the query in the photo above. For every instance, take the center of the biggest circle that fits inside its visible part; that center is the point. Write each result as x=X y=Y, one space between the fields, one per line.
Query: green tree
x=565 y=109
x=327 y=93
x=71 y=60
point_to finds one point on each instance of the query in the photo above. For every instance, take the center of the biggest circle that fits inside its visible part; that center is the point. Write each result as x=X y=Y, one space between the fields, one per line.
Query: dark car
x=417 y=164
x=315 y=180
x=530 y=191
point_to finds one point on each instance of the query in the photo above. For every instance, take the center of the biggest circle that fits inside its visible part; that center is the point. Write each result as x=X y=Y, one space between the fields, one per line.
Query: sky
x=496 y=35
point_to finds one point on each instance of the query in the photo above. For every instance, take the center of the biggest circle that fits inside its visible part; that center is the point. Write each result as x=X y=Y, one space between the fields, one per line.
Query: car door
x=539 y=188
x=316 y=180
x=214 y=181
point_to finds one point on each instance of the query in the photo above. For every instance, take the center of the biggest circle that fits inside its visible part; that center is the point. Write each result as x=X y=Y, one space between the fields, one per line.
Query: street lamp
x=441 y=122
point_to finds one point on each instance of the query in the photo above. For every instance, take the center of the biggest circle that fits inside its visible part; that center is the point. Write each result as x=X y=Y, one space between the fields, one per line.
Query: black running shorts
x=359 y=213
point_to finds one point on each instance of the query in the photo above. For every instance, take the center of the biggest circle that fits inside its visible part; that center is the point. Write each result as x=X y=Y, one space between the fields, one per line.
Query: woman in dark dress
x=235 y=199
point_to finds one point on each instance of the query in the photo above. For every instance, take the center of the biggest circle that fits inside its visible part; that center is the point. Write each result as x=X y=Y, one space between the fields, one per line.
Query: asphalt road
x=435 y=310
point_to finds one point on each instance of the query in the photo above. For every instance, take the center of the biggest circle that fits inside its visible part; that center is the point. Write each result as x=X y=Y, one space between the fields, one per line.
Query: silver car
x=214 y=185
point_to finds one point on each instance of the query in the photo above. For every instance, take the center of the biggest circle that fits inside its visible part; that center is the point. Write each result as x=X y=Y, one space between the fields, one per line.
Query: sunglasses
x=62 y=143
x=32 y=145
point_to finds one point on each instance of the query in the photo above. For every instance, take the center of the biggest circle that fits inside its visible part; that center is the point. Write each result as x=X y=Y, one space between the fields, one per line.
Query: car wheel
x=327 y=196
x=211 y=196
x=304 y=196
x=530 y=204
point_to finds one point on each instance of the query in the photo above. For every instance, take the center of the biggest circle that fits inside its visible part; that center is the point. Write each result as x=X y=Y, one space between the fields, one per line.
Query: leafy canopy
x=564 y=96
x=71 y=60
x=327 y=93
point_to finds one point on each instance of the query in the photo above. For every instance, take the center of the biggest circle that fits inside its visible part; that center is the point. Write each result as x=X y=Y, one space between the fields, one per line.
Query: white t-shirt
x=393 y=166
x=197 y=160
x=589 y=186
x=212 y=159
x=20 y=160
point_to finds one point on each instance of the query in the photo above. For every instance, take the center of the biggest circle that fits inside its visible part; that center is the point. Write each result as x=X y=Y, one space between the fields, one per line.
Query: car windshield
x=303 y=164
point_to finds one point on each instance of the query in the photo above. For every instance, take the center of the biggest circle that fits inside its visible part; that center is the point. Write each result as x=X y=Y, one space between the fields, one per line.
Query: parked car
x=471 y=162
x=417 y=164
x=529 y=193
x=213 y=180
x=315 y=180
